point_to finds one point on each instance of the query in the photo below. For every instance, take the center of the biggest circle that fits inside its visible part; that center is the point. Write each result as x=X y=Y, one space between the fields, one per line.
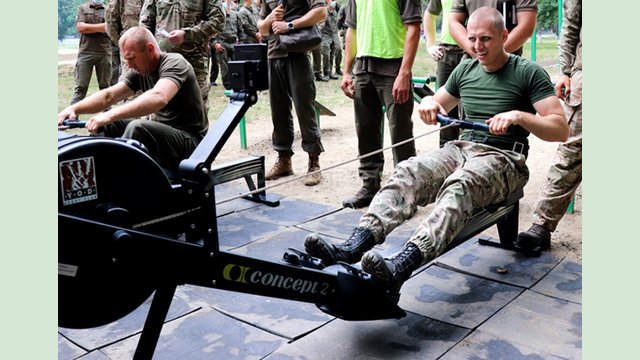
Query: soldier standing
x=185 y=27
x=94 y=51
x=225 y=41
x=121 y=15
x=250 y=33
x=330 y=40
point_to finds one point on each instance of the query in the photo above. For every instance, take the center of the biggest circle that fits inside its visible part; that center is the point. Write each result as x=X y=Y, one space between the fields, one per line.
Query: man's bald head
x=139 y=36
x=490 y=15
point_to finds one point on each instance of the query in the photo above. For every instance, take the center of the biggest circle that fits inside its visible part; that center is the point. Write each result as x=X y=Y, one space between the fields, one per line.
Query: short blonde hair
x=140 y=36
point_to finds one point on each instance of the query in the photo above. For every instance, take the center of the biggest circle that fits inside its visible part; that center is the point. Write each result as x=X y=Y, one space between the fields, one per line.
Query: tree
x=67 y=17
x=548 y=15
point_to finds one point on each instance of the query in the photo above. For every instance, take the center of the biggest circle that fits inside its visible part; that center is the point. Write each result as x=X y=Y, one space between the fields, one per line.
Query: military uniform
x=200 y=19
x=463 y=175
x=249 y=25
x=291 y=80
x=94 y=51
x=330 y=42
x=565 y=174
x=227 y=39
x=121 y=15
x=373 y=84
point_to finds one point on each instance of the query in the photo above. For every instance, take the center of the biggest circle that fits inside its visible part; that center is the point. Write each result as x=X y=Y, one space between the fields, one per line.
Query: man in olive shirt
x=94 y=50
x=170 y=91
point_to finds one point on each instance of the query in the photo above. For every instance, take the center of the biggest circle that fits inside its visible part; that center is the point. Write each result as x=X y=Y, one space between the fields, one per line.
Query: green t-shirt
x=185 y=110
x=516 y=86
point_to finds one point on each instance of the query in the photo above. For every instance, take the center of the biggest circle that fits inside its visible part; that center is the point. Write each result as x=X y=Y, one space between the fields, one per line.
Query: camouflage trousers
x=564 y=176
x=459 y=177
x=200 y=63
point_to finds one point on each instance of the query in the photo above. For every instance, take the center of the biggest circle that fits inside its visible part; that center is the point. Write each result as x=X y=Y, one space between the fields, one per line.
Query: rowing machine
x=125 y=230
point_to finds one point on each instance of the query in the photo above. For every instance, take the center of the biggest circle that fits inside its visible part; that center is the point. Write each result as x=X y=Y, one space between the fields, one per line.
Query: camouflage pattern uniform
x=565 y=174
x=249 y=25
x=460 y=177
x=330 y=40
x=121 y=15
x=200 y=19
x=94 y=51
x=227 y=39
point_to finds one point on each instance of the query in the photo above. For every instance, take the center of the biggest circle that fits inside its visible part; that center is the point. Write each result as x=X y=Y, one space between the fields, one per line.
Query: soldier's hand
x=429 y=109
x=500 y=123
x=65 y=114
x=563 y=87
x=435 y=51
x=347 y=84
x=176 y=37
x=96 y=122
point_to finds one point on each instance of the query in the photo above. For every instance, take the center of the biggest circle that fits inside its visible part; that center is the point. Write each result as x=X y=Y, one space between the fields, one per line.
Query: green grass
x=327 y=93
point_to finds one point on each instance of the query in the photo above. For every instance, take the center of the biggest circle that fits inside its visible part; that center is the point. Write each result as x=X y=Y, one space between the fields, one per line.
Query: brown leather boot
x=314 y=165
x=281 y=168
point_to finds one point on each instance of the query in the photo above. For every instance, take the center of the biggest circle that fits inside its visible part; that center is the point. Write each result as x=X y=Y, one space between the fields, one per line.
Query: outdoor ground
x=339 y=140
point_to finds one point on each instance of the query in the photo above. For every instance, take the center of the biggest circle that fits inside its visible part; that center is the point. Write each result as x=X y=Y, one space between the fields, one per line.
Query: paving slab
x=456 y=298
x=240 y=228
x=563 y=282
x=339 y=224
x=204 y=334
x=499 y=264
x=412 y=337
x=130 y=324
x=540 y=322
x=290 y=212
x=482 y=346
x=94 y=355
x=67 y=349
x=230 y=190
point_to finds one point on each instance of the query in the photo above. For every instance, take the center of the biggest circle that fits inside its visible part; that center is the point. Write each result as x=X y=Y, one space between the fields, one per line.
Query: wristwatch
x=290 y=25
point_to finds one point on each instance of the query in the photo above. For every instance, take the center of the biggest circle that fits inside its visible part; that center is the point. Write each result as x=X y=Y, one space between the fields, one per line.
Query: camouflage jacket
x=200 y=19
x=121 y=15
x=249 y=25
x=571 y=49
x=571 y=37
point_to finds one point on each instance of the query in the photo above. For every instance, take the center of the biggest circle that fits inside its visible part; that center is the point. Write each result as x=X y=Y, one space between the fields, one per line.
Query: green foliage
x=548 y=15
x=67 y=17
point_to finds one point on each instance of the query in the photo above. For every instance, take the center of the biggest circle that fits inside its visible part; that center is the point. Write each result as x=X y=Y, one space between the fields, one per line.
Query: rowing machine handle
x=74 y=123
x=464 y=124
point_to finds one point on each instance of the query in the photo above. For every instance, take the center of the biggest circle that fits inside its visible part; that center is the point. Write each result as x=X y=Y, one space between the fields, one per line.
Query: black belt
x=514 y=146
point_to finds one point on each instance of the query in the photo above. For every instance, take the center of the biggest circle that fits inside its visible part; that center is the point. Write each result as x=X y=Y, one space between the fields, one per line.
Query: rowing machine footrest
x=359 y=297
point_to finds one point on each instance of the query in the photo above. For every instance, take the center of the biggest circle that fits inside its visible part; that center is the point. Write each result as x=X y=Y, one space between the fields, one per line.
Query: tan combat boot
x=314 y=165
x=281 y=168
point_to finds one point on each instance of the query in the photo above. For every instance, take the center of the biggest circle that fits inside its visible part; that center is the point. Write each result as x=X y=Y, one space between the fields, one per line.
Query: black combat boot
x=395 y=271
x=534 y=240
x=362 y=198
x=350 y=251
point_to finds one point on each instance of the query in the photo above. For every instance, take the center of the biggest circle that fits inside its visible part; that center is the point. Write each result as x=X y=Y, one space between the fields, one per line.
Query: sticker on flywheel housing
x=78 y=180
x=67 y=270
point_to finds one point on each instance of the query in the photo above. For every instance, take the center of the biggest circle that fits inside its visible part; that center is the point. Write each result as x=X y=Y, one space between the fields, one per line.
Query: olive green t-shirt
x=516 y=86
x=185 y=110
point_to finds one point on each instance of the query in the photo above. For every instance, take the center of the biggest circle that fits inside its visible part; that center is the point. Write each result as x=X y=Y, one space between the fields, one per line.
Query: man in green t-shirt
x=496 y=88
x=170 y=91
